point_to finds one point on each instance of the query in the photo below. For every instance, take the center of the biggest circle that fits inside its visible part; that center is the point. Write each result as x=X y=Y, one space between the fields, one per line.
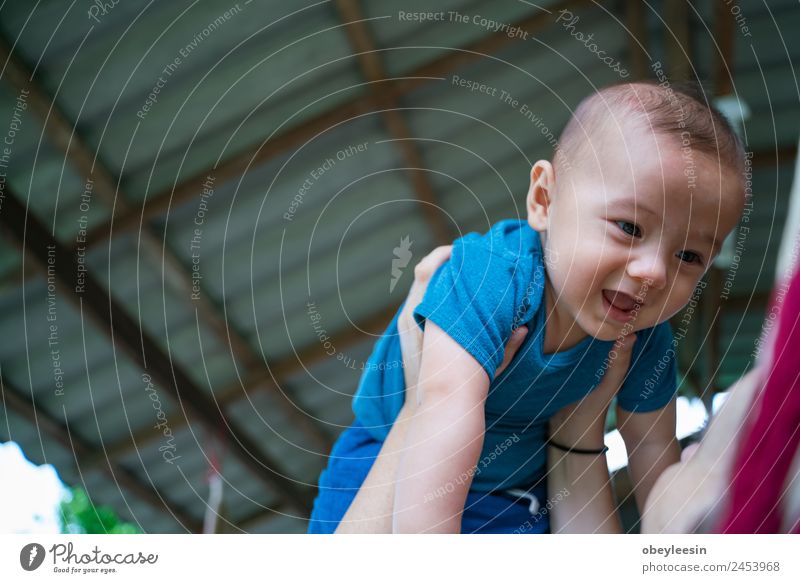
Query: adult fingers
x=431 y=262
x=410 y=333
x=423 y=272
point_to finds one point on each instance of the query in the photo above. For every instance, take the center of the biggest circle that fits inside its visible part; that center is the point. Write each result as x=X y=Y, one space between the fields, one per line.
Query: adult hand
x=411 y=334
x=691 y=495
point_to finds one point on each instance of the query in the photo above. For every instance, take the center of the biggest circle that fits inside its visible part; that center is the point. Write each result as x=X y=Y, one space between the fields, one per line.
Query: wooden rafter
x=373 y=70
x=713 y=306
x=724 y=32
x=636 y=22
x=676 y=37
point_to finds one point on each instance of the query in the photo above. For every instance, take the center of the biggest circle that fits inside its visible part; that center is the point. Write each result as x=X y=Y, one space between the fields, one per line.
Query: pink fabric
x=769 y=444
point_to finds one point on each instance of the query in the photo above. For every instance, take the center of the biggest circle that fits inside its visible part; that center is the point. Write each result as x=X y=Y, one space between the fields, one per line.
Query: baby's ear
x=540 y=192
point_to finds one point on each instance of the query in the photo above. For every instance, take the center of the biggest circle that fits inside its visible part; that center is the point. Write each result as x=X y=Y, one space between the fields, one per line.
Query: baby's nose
x=650 y=271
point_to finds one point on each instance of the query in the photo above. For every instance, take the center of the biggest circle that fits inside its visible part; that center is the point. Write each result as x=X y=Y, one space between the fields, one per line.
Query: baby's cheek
x=683 y=291
x=676 y=301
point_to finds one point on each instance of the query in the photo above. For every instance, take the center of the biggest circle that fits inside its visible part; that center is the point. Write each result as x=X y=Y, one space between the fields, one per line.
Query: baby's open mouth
x=621 y=300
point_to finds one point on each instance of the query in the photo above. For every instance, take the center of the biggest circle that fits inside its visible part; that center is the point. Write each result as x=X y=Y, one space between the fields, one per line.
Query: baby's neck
x=561 y=331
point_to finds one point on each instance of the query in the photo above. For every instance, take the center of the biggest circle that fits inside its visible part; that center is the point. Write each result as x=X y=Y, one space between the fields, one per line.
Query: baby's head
x=646 y=183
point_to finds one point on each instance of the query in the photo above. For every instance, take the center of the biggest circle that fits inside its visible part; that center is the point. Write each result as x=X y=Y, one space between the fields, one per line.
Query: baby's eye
x=629 y=228
x=690 y=257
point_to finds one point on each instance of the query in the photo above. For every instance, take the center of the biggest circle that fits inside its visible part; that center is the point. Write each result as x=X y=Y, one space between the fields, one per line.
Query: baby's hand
x=410 y=333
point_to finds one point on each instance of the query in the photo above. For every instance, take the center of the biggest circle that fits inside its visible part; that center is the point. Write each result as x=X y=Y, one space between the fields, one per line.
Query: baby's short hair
x=678 y=109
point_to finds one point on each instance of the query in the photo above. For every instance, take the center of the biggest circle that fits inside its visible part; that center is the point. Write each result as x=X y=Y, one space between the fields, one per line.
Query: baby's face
x=628 y=237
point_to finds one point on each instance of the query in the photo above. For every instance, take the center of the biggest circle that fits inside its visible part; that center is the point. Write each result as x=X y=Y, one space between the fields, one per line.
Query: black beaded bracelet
x=577 y=449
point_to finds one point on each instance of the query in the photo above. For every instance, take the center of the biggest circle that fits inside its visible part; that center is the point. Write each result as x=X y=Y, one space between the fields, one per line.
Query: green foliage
x=80 y=516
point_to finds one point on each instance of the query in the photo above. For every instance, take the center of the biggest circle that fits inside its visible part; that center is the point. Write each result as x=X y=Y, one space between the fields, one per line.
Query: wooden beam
x=373 y=70
x=59 y=131
x=713 y=308
x=636 y=20
x=297 y=136
x=676 y=37
x=60 y=431
x=177 y=275
x=724 y=33
x=776 y=157
x=126 y=334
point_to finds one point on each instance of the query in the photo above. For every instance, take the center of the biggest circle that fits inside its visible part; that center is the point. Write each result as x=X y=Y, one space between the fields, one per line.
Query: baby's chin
x=611 y=331
x=609 y=336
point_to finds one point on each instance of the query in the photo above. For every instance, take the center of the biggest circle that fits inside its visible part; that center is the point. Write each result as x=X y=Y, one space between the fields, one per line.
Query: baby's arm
x=587 y=505
x=651 y=444
x=445 y=437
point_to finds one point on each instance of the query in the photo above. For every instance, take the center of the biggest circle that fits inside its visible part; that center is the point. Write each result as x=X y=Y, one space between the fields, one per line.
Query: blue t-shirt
x=492 y=284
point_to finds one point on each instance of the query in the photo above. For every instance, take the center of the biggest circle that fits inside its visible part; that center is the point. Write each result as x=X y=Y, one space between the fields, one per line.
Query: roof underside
x=243 y=91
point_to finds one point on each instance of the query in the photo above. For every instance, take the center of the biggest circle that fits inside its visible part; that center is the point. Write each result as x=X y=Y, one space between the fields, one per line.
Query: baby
x=646 y=182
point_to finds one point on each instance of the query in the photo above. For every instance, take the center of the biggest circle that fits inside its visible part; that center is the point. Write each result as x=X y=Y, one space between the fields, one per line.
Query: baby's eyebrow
x=716 y=244
x=631 y=203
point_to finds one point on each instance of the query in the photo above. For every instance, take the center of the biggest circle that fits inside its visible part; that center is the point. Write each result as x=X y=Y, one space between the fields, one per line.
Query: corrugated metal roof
x=245 y=74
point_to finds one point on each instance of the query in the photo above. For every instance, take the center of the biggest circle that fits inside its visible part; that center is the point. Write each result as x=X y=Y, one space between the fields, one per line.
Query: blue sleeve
x=652 y=378
x=478 y=298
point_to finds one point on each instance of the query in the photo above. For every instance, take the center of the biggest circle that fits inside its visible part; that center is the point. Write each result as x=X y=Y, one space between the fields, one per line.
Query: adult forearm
x=444 y=440
x=371 y=510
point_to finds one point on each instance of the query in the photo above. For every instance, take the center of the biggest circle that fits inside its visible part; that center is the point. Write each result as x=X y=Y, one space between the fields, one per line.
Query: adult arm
x=445 y=437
